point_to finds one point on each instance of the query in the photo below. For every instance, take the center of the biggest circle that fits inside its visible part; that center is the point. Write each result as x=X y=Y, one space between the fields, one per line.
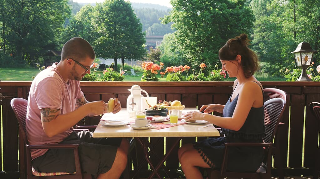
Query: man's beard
x=75 y=75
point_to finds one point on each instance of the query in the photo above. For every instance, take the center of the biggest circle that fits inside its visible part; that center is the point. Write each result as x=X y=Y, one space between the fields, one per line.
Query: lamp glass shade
x=303 y=58
x=306 y=58
x=298 y=59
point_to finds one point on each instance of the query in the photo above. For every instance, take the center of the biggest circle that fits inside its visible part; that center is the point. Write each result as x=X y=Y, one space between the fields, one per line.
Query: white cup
x=141 y=122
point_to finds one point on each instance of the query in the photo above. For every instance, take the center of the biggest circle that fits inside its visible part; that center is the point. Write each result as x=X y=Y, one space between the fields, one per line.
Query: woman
x=242 y=121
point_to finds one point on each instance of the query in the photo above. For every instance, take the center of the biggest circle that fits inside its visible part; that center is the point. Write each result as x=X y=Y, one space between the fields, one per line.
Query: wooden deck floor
x=309 y=177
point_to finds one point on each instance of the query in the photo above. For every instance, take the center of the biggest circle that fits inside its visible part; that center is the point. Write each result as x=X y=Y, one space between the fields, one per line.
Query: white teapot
x=134 y=100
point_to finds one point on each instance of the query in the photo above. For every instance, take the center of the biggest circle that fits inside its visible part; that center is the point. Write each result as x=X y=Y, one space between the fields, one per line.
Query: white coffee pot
x=134 y=100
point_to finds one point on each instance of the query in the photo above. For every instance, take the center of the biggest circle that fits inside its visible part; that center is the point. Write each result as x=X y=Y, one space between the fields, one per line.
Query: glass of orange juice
x=173 y=118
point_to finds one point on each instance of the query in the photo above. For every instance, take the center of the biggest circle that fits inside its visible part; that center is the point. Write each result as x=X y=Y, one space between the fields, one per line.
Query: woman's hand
x=212 y=108
x=193 y=116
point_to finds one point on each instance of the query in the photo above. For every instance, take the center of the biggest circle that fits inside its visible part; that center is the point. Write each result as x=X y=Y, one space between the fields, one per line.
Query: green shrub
x=110 y=75
x=312 y=72
x=292 y=76
x=198 y=77
x=175 y=77
x=90 y=77
x=217 y=74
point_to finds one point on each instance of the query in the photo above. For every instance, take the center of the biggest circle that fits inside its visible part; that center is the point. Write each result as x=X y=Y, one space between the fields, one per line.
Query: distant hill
x=138 y=6
x=151 y=6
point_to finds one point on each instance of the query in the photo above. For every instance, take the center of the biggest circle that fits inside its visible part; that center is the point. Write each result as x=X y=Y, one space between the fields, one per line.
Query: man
x=56 y=103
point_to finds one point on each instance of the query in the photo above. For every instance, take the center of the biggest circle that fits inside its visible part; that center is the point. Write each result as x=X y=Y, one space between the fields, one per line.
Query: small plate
x=111 y=123
x=141 y=128
x=197 y=122
x=159 y=119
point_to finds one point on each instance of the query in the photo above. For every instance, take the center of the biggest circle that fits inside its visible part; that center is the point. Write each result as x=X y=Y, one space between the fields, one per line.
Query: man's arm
x=53 y=122
x=81 y=101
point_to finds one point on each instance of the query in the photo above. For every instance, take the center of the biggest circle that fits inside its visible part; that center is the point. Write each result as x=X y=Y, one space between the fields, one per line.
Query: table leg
x=145 y=151
x=155 y=171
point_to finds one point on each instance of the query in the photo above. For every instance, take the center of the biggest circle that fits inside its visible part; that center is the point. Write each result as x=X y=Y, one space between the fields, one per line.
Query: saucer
x=141 y=128
x=197 y=122
x=111 y=123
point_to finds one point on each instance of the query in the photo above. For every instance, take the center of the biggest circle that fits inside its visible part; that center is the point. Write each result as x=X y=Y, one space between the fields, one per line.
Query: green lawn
x=18 y=74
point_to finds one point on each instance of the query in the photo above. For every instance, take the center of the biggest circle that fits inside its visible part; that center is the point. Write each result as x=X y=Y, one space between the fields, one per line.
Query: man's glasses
x=84 y=67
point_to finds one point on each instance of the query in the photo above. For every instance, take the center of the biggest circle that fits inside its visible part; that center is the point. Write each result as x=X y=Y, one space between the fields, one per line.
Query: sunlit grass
x=18 y=74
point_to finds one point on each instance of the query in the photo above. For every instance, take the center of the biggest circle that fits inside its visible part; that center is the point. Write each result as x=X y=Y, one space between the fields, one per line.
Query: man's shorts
x=96 y=155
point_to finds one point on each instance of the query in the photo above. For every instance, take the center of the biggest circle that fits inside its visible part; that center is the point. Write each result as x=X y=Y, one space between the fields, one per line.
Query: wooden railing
x=299 y=139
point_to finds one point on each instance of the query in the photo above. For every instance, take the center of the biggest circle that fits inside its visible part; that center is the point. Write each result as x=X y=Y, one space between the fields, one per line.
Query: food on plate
x=176 y=103
x=111 y=104
x=165 y=105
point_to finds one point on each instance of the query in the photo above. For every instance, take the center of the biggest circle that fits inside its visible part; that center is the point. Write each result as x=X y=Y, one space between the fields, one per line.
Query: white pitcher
x=134 y=100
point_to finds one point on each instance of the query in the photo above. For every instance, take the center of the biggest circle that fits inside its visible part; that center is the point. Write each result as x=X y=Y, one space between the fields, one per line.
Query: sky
x=160 y=2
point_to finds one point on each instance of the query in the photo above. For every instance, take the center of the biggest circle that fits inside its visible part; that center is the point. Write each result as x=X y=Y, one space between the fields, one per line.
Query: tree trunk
x=122 y=60
x=115 y=64
x=3 y=35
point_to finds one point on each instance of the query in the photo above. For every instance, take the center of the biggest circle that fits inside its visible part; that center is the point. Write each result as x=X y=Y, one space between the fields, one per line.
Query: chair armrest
x=89 y=127
x=248 y=144
x=78 y=130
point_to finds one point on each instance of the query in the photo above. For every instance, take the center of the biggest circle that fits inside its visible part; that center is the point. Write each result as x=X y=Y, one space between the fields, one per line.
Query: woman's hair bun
x=243 y=39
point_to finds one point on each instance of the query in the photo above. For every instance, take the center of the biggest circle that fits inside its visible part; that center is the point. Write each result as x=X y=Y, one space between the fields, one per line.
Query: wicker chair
x=315 y=108
x=19 y=107
x=274 y=105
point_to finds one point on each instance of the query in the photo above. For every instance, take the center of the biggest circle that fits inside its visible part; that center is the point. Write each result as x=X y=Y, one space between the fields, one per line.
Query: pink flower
x=318 y=68
x=222 y=72
x=94 y=65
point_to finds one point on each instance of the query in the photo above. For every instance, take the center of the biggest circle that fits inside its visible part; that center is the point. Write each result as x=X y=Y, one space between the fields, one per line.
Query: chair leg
x=317 y=165
x=279 y=164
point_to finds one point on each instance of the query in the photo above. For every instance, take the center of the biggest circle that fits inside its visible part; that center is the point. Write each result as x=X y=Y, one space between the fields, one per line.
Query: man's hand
x=96 y=108
x=117 y=106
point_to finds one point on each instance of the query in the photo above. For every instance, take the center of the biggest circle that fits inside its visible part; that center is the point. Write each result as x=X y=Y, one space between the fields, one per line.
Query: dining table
x=124 y=127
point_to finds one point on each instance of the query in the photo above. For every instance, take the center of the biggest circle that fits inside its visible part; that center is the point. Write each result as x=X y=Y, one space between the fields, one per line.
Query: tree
x=171 y=51
x=308 y=23
x=154 y=55
x=81 y=25
x=119 y=31
x=279 y=27
x=204 y=26
x=273 y=35
x=32 y=27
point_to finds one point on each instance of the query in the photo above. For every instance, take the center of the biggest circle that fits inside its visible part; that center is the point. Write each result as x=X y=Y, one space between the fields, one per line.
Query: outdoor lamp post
x=303 y=55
